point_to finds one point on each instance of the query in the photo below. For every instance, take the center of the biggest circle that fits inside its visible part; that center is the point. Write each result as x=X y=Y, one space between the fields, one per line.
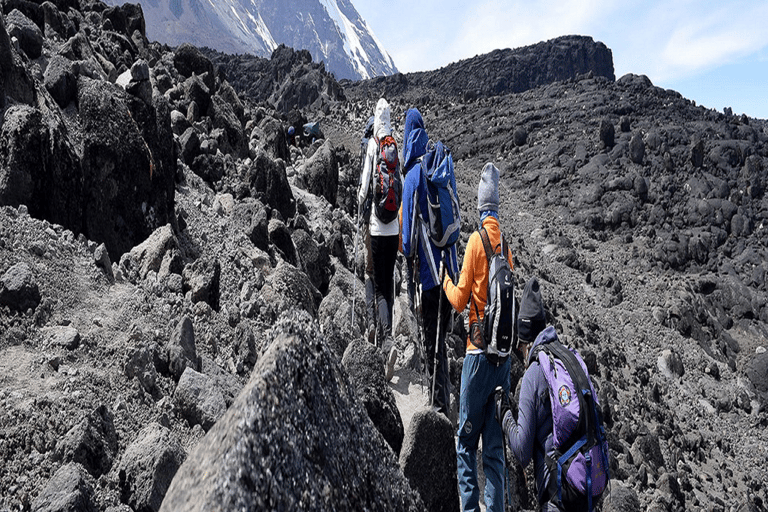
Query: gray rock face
x=29 y=35
x=127 y=193
x=70 y=489
x=320 y=174
x=201 y=279
x=313 y=259
x=181 y=349
x=325 y=455
x=148 y=466
x=198 y=399
x=18 y=288
x=268 y=182
x=428 y=460
x=289 y=288
x=365 y=366
x=92 y=443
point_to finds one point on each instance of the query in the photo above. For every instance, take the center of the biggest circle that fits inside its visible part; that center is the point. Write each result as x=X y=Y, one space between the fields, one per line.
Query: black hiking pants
x=384 y=252
x=430 y=304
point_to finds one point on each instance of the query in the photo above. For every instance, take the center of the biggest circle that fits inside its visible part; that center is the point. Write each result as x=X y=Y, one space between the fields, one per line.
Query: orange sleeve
x=458 y=295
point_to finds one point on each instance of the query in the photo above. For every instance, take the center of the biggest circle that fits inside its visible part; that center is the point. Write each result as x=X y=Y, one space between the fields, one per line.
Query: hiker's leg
x=389 y=254
x=429 y=305
x=443 y=383
x=383 y=268
x=370 y=287
x=493 y=437
x=471 y=408
x=409 y=282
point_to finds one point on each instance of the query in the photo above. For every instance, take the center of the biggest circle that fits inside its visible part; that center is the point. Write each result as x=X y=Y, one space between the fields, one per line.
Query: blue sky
x=712 y=52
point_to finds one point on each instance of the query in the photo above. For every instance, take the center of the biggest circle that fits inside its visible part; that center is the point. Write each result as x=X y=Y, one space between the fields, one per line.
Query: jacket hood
x=415 y=138
x=548 y=335
x=381 y=125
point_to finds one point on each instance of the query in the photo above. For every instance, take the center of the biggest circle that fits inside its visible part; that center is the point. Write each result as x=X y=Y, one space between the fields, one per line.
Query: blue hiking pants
x=479 y=379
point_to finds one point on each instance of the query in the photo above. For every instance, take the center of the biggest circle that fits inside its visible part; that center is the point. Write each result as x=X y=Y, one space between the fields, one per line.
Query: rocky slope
x=176 y=281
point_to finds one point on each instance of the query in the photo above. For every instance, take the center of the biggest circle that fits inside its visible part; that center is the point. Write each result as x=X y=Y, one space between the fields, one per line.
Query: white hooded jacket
x=381 y=128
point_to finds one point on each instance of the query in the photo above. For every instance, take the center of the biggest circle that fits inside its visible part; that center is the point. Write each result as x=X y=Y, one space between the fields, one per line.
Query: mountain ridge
x=332 y=30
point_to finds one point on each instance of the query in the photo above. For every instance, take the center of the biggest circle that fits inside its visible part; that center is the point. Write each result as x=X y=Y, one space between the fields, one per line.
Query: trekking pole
x=419 y=327
x=354 y=266
x=437 y=332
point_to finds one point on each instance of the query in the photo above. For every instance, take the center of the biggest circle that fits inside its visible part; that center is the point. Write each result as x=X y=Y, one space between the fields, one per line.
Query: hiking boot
x=390 y=365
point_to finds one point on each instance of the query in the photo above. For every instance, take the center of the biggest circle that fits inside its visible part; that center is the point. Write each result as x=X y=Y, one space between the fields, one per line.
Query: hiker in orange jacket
x=480 y=376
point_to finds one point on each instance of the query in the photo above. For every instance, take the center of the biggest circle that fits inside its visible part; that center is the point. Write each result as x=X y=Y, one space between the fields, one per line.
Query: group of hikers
x=556 y=422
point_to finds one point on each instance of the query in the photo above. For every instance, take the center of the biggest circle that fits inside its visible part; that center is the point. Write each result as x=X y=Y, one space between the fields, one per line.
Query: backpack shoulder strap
x=486 y=244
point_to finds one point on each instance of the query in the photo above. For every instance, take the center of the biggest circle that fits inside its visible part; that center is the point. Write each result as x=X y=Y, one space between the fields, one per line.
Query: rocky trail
x=176 y=279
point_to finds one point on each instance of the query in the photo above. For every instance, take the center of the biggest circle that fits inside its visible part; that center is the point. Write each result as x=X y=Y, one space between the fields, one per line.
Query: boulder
x=607 y=133
x=15 y=81
x=181 y=350
x=201 y=279
x=671 y=364
x=198 y=399
x=313 y=259
x=148 y=466
x=428 y=460
x=637 y=148
x=18 y=288
x=280 y=237
x=189 y=142
x=268 y=182
x=70 y=489
x=140 y=363
x=365 y=366
x=189 y=60
x=325 y=455
x=60 y=80
x=28 y=34
x=148 y=256
x=223 y=117
x=620 y=498
x=92 y=443
x=251 y=217
x=128 y=182
x=320 y=174
x=289 y=288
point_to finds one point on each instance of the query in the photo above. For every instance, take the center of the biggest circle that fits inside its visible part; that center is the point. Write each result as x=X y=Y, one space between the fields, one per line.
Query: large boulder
x=28 y=34
x=15 y=82
x=91 y=443
x=313 y=259
x=428 y=460
x=295 y=438
x=198 y=399
x=148 y=466
x=181 y=350
x=18 y=288
x=127 y=193
x=320 y=174
x=39 y=167
x=268 y=182
x=70 y=489
x=365 y=365
x=289 y=288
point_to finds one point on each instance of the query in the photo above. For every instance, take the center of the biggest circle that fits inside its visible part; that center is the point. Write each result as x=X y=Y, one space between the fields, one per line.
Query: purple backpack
x=580 y=463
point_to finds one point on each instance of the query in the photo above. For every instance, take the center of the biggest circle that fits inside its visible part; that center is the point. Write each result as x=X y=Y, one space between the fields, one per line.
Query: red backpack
x=387 y=183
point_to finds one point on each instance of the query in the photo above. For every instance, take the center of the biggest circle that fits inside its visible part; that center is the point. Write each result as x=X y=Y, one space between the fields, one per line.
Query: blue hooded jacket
x=415 y=202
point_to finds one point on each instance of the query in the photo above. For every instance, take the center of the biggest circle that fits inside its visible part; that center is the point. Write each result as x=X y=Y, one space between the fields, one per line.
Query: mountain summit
x=332 y=30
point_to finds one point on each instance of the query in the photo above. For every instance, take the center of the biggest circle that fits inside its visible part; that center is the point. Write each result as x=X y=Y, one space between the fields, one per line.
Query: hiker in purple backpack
x=529 y=426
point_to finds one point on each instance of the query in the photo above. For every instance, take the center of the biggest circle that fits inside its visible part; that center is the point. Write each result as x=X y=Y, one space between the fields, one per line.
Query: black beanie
x=532 y=319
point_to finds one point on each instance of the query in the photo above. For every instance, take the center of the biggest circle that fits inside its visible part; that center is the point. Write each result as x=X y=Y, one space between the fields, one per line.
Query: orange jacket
x=473 y=279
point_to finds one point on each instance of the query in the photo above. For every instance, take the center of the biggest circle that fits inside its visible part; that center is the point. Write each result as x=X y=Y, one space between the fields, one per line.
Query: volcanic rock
x=428 y=460
x=70 y=489
x=365 y=366
x=325 y=441
x=148 y=466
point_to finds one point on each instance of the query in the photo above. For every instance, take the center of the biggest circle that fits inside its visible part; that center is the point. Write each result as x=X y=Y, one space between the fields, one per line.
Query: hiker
x=364 y=219
x=384 y=228
x=480 y=373
x=291 y=136
x=529 y=429
x=418 y=244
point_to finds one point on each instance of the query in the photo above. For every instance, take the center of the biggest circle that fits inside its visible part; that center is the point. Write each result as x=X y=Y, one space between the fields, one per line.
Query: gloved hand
x=502 y=405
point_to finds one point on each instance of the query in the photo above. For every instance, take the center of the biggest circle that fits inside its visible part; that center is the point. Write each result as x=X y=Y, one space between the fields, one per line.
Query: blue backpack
x=444 y=212
x=580 y=463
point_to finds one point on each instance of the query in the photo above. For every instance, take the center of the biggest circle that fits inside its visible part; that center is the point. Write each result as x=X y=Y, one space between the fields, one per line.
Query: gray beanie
x=531 y=320
x=488 y=189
